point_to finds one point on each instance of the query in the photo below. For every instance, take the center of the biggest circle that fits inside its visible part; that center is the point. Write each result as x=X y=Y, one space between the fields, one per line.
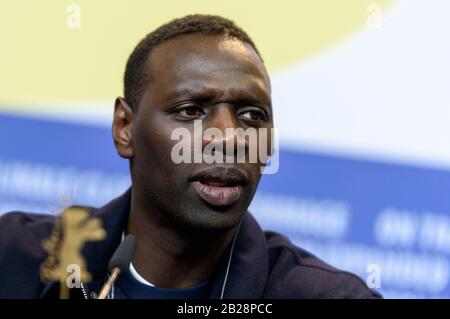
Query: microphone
x=119 y=263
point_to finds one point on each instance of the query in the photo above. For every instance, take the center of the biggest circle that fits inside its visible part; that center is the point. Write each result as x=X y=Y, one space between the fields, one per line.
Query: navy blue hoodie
x=262 y=264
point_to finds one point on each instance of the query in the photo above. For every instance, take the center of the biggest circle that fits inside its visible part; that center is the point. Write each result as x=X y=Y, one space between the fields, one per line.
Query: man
x=195 y=238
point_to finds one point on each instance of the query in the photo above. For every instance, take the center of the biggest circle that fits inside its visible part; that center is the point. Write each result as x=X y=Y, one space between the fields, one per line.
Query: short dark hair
x=137 y=74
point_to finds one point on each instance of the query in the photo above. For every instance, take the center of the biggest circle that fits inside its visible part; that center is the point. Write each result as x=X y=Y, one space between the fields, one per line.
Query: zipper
x=85 y=294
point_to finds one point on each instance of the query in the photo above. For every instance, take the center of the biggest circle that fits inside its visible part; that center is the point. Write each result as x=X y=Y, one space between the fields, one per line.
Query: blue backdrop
x=357 y=215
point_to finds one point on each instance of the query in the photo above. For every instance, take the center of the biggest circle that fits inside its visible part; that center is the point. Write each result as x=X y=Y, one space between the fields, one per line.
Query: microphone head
x=123 y=254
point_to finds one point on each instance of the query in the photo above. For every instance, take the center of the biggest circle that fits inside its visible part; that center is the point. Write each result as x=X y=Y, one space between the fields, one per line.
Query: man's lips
x=217 y=195
x=219 y=186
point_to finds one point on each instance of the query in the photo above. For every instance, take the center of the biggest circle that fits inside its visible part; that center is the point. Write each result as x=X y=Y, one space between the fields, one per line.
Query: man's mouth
x=219 y=186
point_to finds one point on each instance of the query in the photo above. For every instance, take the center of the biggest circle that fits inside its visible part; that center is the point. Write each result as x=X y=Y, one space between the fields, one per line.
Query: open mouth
x=218 y=186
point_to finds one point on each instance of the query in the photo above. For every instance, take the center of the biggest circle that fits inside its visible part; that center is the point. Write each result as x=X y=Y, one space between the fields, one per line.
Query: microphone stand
x=109 y=283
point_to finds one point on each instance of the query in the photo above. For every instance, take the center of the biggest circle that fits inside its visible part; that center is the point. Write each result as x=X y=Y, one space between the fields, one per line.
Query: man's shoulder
x=26 y=229
x=297 y=273
x=21 y=227
x=21 y=252
x=16 y=222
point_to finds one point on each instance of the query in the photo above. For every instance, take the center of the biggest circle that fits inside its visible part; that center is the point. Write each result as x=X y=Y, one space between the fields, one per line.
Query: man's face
x=222 y=82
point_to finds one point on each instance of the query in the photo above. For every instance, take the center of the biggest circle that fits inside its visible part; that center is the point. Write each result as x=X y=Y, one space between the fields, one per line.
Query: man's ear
x=122 y=128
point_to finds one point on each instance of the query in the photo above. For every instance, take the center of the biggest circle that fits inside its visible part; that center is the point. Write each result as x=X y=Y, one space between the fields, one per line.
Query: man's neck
x=174 y=258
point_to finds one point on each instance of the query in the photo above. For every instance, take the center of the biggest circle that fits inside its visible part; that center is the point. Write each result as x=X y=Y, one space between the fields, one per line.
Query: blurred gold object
x=70 y=233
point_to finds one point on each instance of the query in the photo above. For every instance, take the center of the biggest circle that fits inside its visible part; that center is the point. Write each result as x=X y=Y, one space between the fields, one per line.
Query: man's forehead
x=196 y=53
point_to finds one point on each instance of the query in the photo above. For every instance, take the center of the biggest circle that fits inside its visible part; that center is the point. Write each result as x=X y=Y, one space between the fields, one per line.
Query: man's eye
x=190 y=112
x=253 y=115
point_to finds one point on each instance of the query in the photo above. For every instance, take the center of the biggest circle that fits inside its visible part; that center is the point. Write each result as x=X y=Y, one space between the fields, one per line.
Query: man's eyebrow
x=205 y=93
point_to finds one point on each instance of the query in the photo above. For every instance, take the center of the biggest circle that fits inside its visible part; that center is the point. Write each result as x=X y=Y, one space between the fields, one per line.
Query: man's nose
x=225 y=121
